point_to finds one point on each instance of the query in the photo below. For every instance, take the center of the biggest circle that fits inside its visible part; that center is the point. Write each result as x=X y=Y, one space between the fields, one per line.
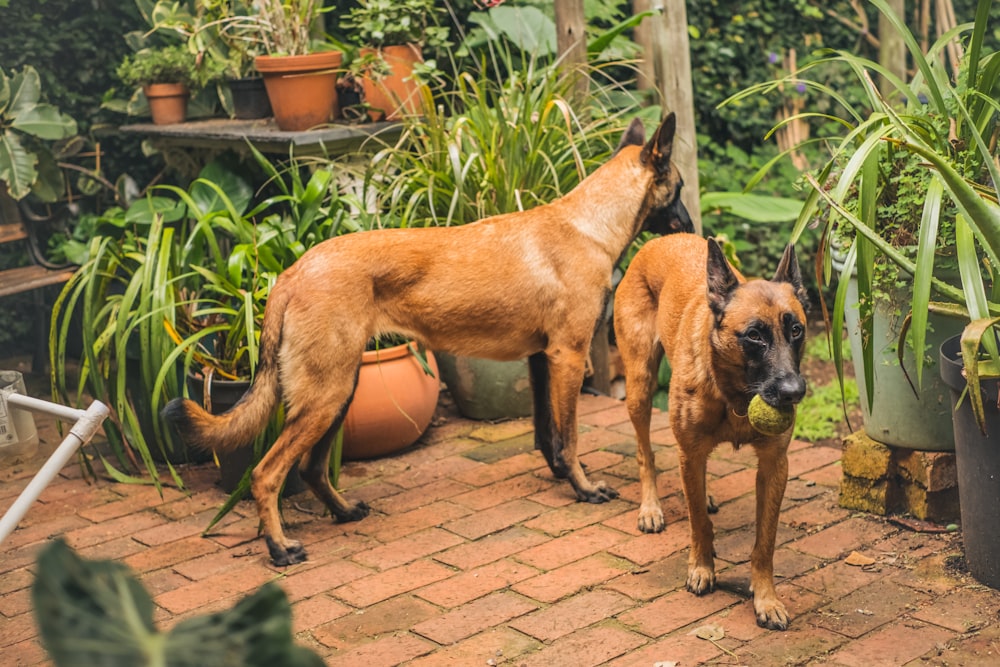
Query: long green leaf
x=924 y=269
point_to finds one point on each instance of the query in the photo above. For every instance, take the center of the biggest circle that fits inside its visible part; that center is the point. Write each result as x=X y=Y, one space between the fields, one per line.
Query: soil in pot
x=977 y=457
x=393 y=403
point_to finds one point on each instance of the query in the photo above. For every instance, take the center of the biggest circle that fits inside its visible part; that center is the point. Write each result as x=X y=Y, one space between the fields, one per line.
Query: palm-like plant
x=950 y=126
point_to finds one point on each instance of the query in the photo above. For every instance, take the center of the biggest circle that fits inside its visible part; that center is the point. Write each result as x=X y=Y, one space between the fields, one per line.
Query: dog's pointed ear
x=659 y=149
x=788 y=272
x=634 y=135
x=721 y=280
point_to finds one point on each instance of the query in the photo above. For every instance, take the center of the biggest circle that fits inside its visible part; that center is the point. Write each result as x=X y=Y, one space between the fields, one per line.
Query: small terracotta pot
x=302 y=89
x=393 y=403
x=396 y=93
x=167 y=102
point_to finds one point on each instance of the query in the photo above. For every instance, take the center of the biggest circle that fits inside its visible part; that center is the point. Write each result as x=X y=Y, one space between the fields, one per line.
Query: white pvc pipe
x=87 y=423
x=38 y=405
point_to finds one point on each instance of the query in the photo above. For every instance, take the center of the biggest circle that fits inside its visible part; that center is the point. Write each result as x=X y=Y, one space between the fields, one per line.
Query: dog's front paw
x=771 y=613
x=651 y=519
x=290 y=554
x=356 y=512
x=597 y=494
x=701 y=580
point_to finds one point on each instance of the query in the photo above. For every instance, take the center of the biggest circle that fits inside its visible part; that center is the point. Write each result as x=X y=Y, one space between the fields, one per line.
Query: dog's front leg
x=772 y=476
x=566 y=369
x=694 y=453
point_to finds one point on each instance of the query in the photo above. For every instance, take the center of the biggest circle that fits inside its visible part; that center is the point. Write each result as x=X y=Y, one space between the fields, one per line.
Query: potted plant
x=300 y=73
x=226 y=35
x=392 y=36
x=888 y=187
x=166 y=75
x=960 y=156
x=394 y=401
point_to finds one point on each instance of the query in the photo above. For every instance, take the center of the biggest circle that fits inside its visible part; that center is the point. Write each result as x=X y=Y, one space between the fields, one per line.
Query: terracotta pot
x=393 y=403
x=396 y=93
x=302 y=89
x=167 y=102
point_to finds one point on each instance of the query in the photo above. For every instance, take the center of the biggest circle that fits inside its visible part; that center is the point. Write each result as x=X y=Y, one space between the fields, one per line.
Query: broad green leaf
x=526 y=27
x=757 y=208
x=25 y=91
x=143 y=211
x=50 y=183
x=45 y=122
x=91 y=612
x=234 y=192
x=17 y=166
x=4 y=91
x=597 y=45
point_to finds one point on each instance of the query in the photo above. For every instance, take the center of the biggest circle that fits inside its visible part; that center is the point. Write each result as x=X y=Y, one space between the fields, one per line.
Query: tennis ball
x=767 y=419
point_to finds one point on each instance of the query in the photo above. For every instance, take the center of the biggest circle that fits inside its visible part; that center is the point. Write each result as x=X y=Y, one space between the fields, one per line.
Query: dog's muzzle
x=785 y=391
x=671 y=219
x=682 y=220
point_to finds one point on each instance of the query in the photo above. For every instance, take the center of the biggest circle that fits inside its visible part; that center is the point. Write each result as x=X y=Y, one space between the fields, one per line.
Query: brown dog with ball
x=734 y=348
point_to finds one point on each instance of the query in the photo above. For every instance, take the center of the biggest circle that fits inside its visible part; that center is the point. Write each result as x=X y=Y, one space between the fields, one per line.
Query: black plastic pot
x=234 y=464
x=978 y=460
x=250 y=98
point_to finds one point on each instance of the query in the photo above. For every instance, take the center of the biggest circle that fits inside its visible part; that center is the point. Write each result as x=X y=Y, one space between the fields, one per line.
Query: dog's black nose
x=790 y=389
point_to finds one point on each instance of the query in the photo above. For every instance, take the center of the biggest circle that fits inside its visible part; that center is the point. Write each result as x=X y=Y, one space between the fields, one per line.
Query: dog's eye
x=797 y=331
x=754 y=335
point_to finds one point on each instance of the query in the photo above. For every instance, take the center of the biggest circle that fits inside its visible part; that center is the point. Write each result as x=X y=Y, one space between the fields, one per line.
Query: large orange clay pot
x=393 y=403
x=397 y=93
x=302 y=89
x=167 y=102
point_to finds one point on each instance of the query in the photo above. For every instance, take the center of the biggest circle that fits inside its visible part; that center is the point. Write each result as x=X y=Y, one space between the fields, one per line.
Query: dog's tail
x=238 y=426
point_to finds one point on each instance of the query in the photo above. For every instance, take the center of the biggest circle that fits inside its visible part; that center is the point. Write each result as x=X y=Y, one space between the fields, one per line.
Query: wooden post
x=571 y=45
x=643 y=36
x=892 y=48
x=672 y=63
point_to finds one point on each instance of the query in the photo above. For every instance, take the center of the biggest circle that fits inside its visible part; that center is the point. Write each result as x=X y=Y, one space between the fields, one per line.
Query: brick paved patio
x=474 y=555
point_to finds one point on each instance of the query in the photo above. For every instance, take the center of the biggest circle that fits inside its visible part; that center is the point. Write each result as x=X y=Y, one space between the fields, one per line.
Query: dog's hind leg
x=311 y=411
x=316 y=473
x=640 y=383
x=694 y=453
x=565 y=371
x=546 y=437
x=772 y=477
x=641 y=353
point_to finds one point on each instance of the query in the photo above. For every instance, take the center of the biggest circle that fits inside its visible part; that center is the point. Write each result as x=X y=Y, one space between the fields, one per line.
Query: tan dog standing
x=529 y=284
x=726 y=339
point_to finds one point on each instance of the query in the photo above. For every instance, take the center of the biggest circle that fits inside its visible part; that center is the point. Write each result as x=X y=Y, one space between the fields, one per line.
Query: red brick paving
x=475 y=555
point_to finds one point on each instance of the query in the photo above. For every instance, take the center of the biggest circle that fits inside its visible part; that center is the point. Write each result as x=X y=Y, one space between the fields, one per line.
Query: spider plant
x=946 y=123
x=175 y=287
x=496 y=144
